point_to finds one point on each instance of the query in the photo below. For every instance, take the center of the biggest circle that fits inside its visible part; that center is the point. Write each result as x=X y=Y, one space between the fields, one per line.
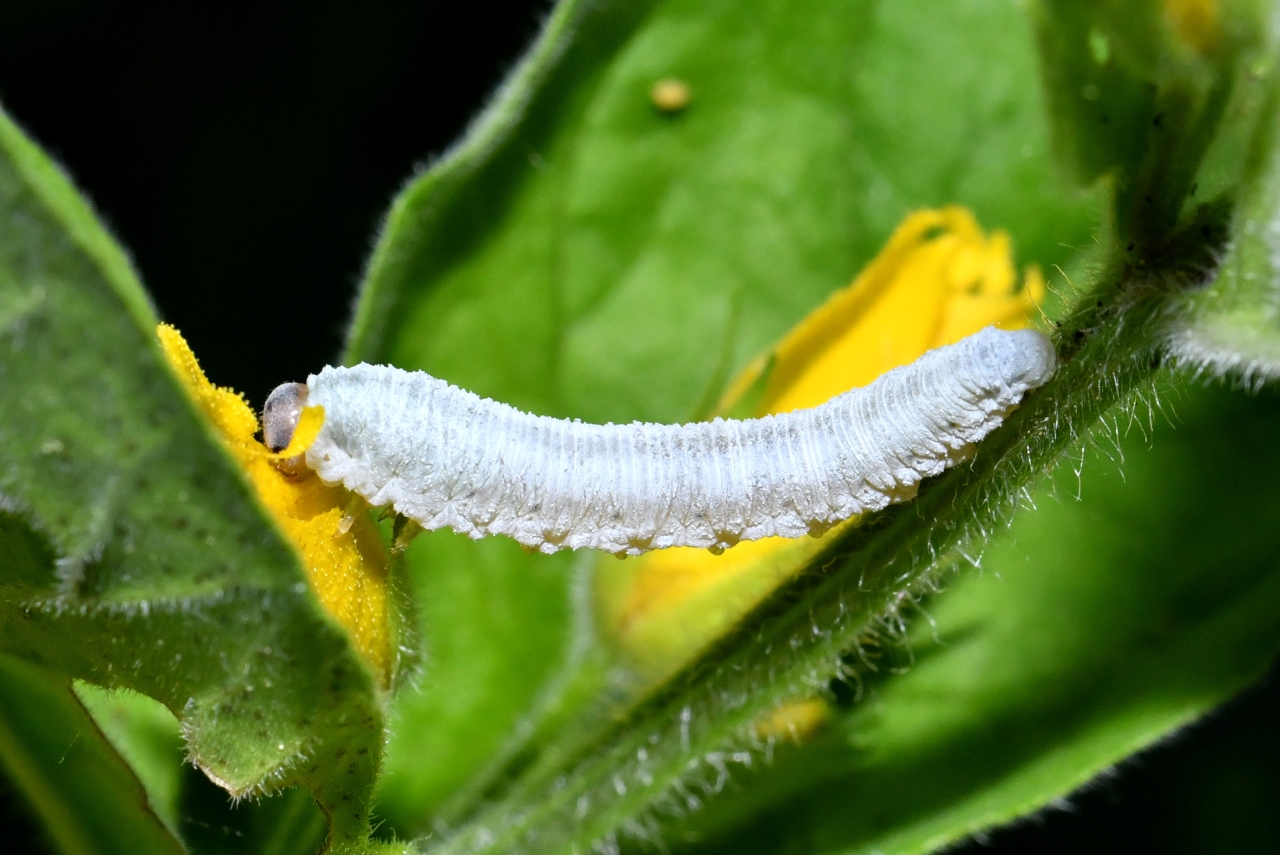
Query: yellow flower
x=338 y=543
x=938 y=279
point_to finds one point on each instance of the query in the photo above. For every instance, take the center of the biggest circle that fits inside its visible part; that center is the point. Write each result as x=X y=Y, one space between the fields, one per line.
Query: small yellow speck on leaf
x=670 y=95
x=339 y=546
x=938 y=279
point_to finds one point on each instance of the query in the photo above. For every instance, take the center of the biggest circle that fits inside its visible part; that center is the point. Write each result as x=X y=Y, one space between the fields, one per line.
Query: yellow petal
x=305 y=433
x=231 y=415
x=794 y=720
x=337 y=543
x=938 y=279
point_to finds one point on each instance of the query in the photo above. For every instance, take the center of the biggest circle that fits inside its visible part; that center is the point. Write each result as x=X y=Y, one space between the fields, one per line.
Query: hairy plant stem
x=675 y=747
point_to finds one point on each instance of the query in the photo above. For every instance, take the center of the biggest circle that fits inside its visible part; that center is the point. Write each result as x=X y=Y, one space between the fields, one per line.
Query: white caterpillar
x=443 y=456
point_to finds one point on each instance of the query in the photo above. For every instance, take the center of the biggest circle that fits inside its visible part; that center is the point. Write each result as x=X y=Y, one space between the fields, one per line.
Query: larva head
x=280 y=415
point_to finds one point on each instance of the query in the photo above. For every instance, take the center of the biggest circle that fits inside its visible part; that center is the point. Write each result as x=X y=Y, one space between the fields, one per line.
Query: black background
x=244 y=154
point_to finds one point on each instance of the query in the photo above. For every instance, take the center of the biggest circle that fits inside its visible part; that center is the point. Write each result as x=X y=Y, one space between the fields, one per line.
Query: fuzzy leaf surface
x=149 y=564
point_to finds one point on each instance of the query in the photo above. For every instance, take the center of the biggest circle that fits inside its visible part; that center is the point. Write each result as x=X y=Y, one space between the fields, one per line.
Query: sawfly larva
x=443 y=456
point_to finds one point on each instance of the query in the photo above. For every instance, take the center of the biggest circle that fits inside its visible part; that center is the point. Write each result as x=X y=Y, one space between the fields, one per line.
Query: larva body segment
x=443 y=456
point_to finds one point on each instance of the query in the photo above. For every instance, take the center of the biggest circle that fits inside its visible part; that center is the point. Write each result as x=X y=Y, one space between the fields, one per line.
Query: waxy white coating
x=443 y=456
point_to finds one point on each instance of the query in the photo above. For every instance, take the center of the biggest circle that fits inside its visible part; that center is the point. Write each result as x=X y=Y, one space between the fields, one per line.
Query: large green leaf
x=148 y=563
x=1097 y=625
x=53 y=754
x=583 y=253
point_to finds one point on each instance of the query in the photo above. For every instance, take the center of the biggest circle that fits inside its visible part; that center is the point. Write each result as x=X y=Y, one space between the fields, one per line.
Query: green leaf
x=583 y=253
x=1097 y=625
x=54 y=755
x=500 y=631
x=1232 y=328
x=143 y=559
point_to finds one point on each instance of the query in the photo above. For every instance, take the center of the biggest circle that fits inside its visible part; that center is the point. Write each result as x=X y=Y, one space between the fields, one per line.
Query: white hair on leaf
x=443 y=456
